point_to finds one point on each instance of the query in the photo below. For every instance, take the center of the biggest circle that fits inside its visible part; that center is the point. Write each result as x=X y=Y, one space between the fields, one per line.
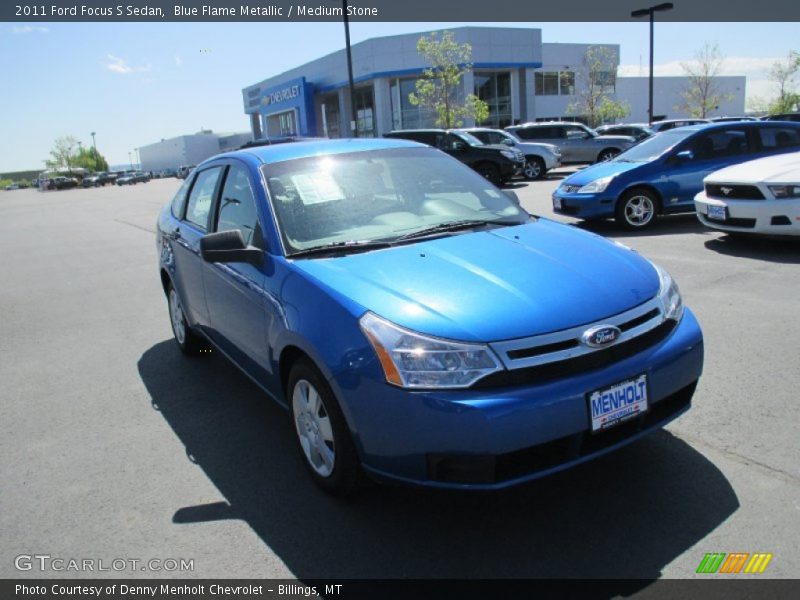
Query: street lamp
x=130 y=160
x=94 y=143
x=354 y=118
x=643 y=12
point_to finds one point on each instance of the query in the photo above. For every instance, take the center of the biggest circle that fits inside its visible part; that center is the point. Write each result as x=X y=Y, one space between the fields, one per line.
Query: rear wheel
x=534 y=168
x=490 y=172
x=188 y=341
x=322 y=433
x=637 y=209
x=607 y=154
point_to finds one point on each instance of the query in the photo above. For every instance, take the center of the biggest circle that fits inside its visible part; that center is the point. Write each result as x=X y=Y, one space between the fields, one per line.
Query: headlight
x=596 y=186
x=785 y=191
x=509 y=154
x=670 y=295
x=412 y=360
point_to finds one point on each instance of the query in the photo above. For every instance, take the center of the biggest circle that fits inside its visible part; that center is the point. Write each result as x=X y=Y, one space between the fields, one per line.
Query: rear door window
x=773 y=138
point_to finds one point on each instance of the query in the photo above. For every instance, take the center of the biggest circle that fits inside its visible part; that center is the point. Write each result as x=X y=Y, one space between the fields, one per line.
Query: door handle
x=174 y=234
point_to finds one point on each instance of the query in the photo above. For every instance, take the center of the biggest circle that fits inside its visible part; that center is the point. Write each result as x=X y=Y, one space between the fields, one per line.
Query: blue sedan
x=418 y=325
x=662 y=174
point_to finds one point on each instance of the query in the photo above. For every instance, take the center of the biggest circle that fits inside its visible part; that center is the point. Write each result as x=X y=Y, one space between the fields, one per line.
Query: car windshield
x=655 y=146
x=469 y=138
x=384 y=196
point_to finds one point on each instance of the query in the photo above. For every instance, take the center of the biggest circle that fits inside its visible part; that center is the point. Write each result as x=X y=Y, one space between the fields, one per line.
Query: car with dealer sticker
x=417 y=324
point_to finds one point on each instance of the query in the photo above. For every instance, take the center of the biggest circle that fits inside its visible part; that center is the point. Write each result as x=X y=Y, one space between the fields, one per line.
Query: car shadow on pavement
x=626 y=515
x=664 y=225
x=786 y=251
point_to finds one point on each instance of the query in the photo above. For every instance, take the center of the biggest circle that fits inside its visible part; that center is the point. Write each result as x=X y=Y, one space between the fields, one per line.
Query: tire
x=534 y=168
x=637 y=209
x=188 y=341
x=322 y=434
x=607 y=154
x=489 y=172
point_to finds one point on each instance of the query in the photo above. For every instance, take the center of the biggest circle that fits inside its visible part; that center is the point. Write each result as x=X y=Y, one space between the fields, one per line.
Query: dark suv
x=498 y=164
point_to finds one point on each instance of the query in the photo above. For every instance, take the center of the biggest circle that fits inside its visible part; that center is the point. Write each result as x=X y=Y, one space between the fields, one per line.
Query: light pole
x=94 y=143
x=643 y=12
x=130 y=160
x=138 y=160
x=354 y=119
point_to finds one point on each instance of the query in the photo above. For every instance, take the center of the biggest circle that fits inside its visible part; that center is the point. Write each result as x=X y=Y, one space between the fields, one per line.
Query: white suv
x=539 y=158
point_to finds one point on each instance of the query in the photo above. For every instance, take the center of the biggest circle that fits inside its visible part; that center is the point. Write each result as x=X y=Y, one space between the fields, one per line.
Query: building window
x=330 y=116
x=554 y=83
x=607 y=80
x=404 y=114
x=495 y=90
x=365 y=112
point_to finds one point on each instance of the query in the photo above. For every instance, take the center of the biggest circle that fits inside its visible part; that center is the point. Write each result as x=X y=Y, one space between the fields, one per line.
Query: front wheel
x=636 y=209
x=489 y=172
x=534 y=168
x=322 y=433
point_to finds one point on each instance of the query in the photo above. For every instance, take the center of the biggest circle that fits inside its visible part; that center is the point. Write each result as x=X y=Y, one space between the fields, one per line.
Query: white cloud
x=21 y=29
x=178 y=61
x=118 y=65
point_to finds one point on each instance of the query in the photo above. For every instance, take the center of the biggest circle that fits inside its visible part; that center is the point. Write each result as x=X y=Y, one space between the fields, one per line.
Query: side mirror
x=229 y=247
x=685 y=155
x=512 y=195
x=459 y=146
x=508 y=142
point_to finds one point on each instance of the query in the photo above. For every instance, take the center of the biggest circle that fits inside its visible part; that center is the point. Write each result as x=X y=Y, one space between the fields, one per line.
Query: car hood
x=784 y=168
x=492 y=285
x=603 y=169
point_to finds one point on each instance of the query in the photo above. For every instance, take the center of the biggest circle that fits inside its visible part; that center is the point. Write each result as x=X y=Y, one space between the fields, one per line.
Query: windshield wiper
x=451 y=226
x=342 y=247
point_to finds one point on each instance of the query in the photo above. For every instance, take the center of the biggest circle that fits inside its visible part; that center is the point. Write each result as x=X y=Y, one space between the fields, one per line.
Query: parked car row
x=100 y=179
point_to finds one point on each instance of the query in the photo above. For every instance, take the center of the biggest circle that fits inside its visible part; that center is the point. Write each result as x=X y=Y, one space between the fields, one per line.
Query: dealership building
x=514 y=72
x=189 y=149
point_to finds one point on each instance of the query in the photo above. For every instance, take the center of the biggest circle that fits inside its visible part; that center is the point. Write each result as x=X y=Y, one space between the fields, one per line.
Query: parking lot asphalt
x=114 y=445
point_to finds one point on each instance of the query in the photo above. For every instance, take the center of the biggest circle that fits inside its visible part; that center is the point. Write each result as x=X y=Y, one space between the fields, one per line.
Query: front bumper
x=501 y=436
x=584 y=206
x=768 y=217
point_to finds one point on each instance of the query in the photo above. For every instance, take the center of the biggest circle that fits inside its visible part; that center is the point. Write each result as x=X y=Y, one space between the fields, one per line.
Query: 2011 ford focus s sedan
x=419 y=325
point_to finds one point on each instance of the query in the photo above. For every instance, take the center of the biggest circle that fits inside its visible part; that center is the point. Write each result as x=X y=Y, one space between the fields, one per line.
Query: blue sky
x=135 y=83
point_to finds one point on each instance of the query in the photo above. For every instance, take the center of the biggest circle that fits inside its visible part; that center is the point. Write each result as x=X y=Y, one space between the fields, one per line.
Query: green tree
x=701 y=95
x=783 y=74
x=597 y=79
x=68 y=154
x=91 y=159
x=62 y=153
x=437 y=88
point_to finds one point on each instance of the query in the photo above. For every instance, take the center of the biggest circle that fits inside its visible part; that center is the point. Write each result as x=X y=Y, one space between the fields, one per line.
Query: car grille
x=570 y=189
x=562 y=353
x=733 y=192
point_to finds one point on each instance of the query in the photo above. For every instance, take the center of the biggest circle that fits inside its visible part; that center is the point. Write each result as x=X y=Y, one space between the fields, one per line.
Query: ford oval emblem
x=600 y=336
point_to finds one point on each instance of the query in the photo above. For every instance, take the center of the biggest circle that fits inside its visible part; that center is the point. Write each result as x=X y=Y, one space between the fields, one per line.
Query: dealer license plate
x=718 y=213
x=556 y=203
x=612 y=405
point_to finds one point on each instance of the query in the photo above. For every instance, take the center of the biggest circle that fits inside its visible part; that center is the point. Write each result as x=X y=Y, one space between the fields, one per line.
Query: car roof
x=546 y=124
x=308 y=149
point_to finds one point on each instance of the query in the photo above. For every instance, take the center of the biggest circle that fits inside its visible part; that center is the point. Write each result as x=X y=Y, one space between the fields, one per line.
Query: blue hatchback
x=416 y=322
x=662 y=174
